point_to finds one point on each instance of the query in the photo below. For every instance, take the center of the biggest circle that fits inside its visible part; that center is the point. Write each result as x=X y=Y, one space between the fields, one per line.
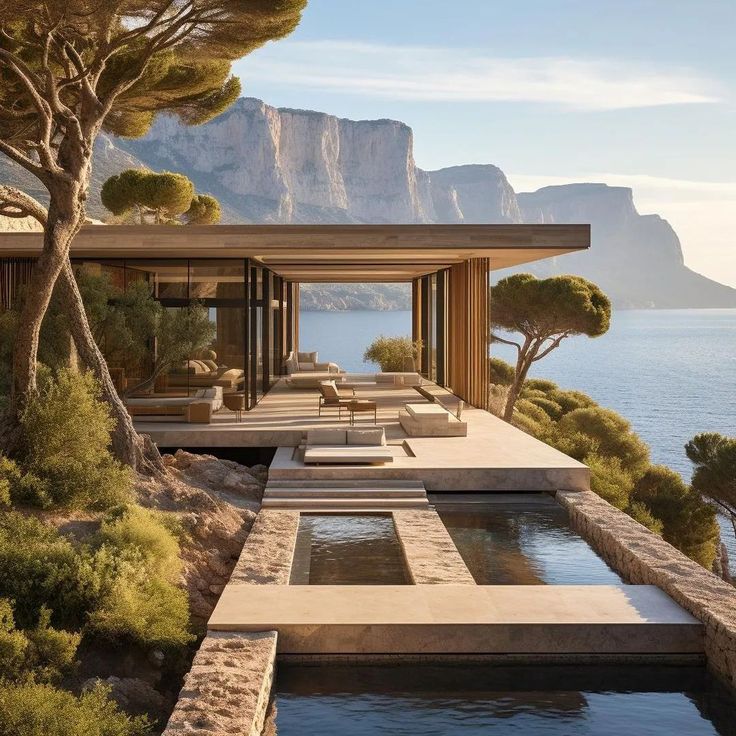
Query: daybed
x=352 y=446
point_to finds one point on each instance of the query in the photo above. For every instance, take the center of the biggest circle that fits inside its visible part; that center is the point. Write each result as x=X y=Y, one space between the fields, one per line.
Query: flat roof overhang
x=324 y=253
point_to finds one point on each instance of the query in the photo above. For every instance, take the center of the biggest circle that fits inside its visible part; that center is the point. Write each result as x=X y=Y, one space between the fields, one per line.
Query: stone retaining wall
x=430 y=554
x=227 y=690
x=644 y=558
x=269 y=550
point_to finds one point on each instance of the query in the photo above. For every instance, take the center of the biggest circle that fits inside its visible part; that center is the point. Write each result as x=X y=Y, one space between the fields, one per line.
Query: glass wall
x=433 y=325
x=219 y=325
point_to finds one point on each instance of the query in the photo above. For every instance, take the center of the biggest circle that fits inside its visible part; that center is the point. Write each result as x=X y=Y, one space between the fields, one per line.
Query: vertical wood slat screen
x=469 y=329
x=14 y=274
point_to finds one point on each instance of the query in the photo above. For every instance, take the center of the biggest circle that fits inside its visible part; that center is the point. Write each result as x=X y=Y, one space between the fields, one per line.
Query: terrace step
x=361 y=495
x=344 y=504
x=353 y=484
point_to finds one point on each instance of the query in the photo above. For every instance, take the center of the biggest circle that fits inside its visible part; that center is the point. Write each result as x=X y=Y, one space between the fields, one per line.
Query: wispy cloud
x=456 y=74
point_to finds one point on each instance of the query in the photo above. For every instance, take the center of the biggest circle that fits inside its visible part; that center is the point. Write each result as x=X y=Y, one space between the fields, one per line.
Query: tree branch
x=554 y=344
x=496 y=338
x=23 y=204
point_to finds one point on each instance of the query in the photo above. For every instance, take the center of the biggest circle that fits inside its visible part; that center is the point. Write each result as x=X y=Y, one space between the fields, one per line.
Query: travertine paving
x=455 y=619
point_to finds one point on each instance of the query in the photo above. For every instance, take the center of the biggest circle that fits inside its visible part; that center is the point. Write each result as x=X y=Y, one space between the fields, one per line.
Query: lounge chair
x=352 y=446
x=331 y=396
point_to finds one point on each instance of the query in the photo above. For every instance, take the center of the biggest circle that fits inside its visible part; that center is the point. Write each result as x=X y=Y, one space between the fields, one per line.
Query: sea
x=670 y=372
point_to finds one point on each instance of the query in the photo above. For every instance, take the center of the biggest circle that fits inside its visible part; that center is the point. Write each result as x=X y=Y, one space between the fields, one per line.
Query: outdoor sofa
x=197 y=408
x=351 y=446
x=206 y=374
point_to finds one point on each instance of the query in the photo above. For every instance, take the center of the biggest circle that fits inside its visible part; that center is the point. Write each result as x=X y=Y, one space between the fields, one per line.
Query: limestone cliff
x=636 y=259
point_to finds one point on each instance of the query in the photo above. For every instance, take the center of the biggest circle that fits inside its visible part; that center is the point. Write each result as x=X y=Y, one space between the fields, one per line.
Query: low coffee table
x=358 y=406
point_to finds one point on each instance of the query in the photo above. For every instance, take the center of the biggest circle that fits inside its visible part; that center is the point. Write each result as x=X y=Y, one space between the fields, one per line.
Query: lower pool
x=548 y=700
x=347 y=549
x=523 y=543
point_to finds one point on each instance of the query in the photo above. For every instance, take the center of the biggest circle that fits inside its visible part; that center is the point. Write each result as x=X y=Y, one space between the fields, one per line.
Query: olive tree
x=714 y=457
x=544 y=312
x=71 y=69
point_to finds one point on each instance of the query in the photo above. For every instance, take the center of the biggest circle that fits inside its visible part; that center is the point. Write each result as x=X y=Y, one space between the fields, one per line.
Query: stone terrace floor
x=493 y=456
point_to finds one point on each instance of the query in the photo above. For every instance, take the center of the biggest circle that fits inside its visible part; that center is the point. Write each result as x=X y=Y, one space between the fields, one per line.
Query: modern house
x=248 y=277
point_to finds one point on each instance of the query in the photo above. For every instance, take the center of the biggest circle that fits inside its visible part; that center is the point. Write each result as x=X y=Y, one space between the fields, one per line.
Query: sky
x=630 y=93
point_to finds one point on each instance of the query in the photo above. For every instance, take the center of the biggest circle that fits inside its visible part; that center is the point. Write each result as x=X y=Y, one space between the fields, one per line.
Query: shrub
x=143 y=530
x=33 y=709
x=501 y=372
x=141 y=609
x=22 y=488
x=394 y=353
x=570 y=400
x=609 y=479
x=551 y=408
x=39 y=567
x=688 y=522
x=600 y=431
x=43 y=652
x=139 y=556
x=67 y=432
x=639 y=512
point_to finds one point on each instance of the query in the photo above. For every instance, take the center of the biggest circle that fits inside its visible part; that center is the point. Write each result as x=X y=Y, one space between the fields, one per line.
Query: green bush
x=67 y=432
x=501 y=372
x=143 y=530
x=570 y=400
x=43 y=652
x=138 y=608
x=39 y=567
x=688 y=522
x=33 y=709
x=599 y=431
x=139 y=556
x=551 y=408
x=639 y=512
x=394 y=353
x=609 y=479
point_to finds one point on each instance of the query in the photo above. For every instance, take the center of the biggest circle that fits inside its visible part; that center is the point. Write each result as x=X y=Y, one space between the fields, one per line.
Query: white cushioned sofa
x=308 y=363
x=351 y=446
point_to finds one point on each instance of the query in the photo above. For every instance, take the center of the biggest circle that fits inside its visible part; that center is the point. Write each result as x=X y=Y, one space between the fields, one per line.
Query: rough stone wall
x=430 y=554
x=228 y=688
x=644 y=558
x=269 y=550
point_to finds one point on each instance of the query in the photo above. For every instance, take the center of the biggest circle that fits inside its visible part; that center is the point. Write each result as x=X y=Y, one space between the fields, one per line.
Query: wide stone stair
x=345 y=496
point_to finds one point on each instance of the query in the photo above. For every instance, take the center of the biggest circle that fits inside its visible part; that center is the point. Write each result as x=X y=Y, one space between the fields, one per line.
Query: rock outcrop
x=636 y=259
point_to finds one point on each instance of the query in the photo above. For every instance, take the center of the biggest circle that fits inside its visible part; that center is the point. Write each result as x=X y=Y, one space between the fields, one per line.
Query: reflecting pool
x=524 y=543
x=342 y=549
x=470 y=700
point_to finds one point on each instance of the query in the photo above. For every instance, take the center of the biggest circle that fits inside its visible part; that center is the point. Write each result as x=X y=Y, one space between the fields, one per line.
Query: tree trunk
x=64 y=221
x=130 y=448
x=523 y=364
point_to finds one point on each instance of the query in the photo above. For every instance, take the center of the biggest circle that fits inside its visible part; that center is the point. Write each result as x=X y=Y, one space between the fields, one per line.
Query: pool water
x=341 y=549
x=526 y=543
x=475 y=700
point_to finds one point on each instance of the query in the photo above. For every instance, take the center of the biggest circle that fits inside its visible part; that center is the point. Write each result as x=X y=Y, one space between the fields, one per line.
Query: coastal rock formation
x=216 y=501
x=636 y=259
